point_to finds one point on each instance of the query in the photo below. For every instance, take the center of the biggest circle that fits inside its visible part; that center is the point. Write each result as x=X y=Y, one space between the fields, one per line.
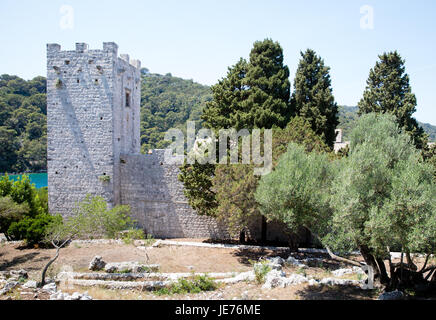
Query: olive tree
x=296 y=193
x=382 y=196
x=91 y=219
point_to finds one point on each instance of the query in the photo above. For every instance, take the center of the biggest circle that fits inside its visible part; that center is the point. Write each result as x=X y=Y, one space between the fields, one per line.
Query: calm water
x=39 y=179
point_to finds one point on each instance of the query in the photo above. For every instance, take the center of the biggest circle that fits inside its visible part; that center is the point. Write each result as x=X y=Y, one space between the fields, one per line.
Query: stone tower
x=93 y=105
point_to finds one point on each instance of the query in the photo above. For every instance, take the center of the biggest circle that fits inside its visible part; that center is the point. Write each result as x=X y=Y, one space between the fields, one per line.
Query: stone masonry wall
x=151 y=188
x=93 y=124
x=88 y=122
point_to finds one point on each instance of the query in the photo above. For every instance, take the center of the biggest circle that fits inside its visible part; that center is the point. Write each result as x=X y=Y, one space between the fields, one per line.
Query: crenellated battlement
x=111 y=48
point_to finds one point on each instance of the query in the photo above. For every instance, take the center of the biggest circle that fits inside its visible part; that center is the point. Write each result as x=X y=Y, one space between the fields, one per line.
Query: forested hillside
x=23 y=124
x=347 y=116
x=166 y=102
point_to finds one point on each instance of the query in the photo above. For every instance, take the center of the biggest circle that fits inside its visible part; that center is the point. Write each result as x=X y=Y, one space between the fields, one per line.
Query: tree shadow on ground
x=245 y=256
x=328 y=292
x=19 y=260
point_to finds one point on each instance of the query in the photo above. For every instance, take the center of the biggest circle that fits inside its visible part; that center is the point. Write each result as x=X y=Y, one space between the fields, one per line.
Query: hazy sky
x=199 y=39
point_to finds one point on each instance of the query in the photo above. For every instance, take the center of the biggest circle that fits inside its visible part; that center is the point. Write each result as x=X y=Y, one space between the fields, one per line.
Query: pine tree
x=224 y=111
x=254 y=94
x=388 y=91
x=312 y=98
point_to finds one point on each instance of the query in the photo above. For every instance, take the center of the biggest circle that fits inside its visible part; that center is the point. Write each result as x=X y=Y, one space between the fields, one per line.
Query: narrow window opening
x=127 y=98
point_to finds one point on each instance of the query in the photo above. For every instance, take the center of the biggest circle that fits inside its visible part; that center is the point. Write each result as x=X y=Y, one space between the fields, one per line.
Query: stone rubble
x=395 y=295
x=50 y=287
x=31 y=284
x=75 y=296
x=10 y=284
x=97 y=264
x=342 y=272
x=131 y=267
x=276 y=278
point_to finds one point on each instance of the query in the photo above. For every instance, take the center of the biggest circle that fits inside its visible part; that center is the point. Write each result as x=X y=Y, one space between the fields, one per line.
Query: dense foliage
x=383 y=196
x=23 y=210
x=253 y=94
x=235 y=185
x=313 y=99
x=348 y=116
x=23 y=123
x=388 y=91
x=168 y=102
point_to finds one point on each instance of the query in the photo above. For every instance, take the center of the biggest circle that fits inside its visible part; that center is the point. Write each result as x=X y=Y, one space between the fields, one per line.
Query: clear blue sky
x=199 y=39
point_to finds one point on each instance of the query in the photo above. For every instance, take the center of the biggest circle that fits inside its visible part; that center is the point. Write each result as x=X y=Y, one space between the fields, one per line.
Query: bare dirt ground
x=76 y=257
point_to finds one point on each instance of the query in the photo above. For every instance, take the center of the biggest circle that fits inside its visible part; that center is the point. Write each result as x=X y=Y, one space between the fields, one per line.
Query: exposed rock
x=292 y=261
x=8 y=287
x=394 y=295
x=19 y=274
x=57 y=296
x=342 y=272
x=97 y=264
x=74 y=297
x=313 y=282
x=275 y=279
x=50 y=287
x=130 y=267
x=14 y=274
x=120 y=285
x=245 y=276
x=31 y=284
x=244 y=295
x=276 y=260
x=339 y=282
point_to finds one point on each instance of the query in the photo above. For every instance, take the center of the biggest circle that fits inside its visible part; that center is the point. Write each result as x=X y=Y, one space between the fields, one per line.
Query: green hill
x=168 y=102
x=347 y=115
x=23 y=124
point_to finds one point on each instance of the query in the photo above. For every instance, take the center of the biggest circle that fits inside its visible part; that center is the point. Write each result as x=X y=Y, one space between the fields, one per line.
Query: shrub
x=196 y=285
x=10 y=212
x=261 y=269
x=102 y=221
x=131 y=235
x=32 y=230
x=23 y=210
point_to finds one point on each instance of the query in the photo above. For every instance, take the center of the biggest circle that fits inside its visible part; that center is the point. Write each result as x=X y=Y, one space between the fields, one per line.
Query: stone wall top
x=81 y=47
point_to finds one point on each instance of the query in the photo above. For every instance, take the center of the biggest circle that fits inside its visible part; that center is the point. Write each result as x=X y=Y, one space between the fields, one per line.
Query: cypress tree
x=388 y=91
x=312 y=98
x=224 y=111
x=268 y=86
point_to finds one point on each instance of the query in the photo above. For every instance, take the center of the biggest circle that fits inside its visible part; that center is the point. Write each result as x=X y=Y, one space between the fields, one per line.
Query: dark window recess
x=67 y=62
x=78 y=81
x=127 y=99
